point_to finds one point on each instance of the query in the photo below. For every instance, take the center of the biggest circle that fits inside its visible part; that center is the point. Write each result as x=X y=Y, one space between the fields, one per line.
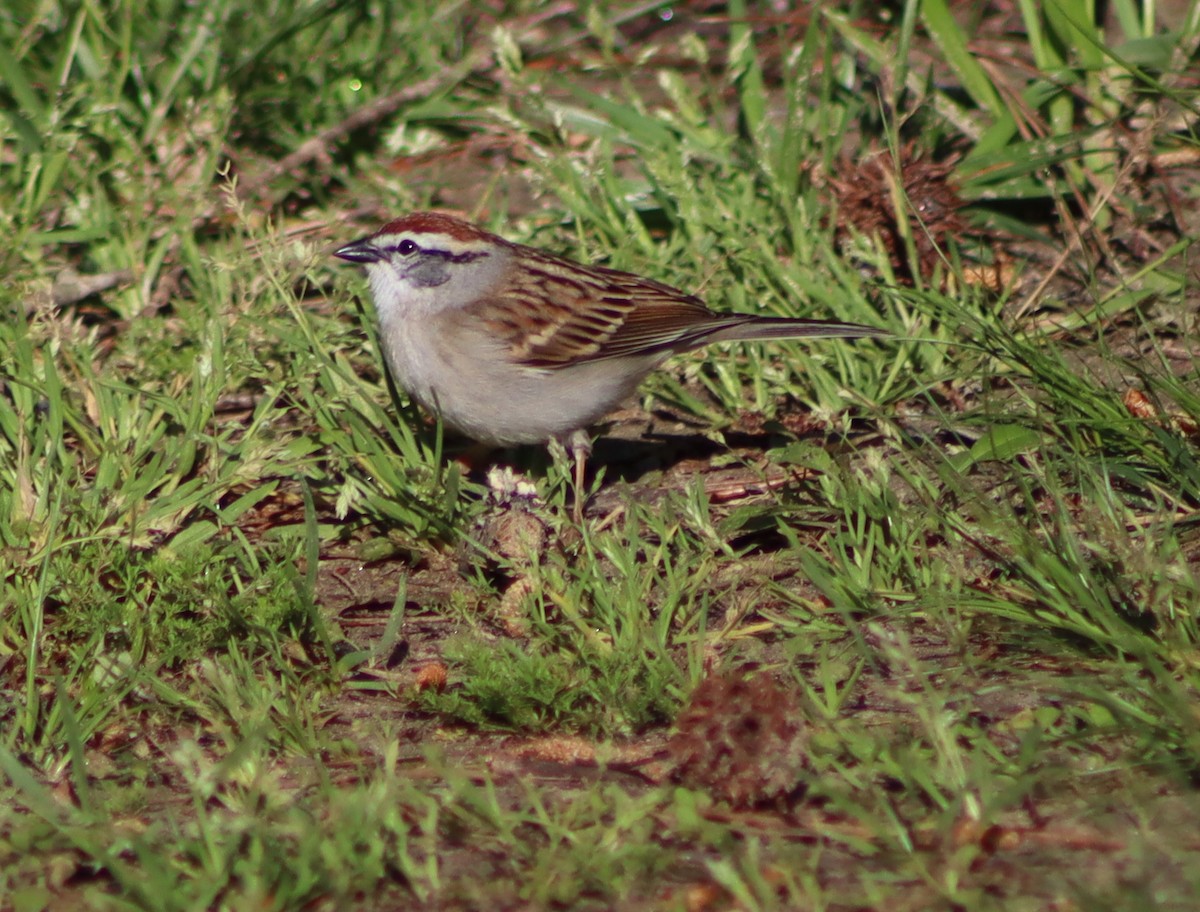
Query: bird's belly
x=494 y=401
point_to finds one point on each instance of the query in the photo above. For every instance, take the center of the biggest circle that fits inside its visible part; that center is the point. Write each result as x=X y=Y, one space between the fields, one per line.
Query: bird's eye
x=406 y=247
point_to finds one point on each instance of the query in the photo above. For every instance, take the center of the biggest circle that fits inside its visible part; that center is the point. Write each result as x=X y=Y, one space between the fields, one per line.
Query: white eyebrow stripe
x=433 y=243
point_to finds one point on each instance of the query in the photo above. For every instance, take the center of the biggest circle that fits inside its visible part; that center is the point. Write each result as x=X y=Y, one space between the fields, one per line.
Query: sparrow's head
x=422 y=256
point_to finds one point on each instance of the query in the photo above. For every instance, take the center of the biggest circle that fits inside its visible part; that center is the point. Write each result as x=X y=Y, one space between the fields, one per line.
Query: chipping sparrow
x=510 y=344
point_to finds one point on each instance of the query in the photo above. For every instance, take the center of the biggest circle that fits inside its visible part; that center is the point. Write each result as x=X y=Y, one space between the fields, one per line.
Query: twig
x=368 y=114
x=71 y=287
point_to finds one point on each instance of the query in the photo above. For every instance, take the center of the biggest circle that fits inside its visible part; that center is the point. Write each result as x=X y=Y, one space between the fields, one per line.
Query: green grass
x=229 y=550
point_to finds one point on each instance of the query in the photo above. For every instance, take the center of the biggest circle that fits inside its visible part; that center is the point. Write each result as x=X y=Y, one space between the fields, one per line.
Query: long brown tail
x=749 y=328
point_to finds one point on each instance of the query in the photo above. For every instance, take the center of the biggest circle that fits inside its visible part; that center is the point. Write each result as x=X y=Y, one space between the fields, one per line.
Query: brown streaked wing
x=554 y=312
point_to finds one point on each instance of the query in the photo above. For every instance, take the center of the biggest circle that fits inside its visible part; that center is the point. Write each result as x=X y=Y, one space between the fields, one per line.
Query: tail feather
x=754 y=328
x=723 y=328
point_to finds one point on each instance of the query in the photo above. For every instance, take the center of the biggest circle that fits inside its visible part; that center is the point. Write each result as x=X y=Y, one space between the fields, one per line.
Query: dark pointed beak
x=361 y=251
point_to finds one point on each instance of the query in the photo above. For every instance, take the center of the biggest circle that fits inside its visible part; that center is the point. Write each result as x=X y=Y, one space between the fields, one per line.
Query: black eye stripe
x=408 y=247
